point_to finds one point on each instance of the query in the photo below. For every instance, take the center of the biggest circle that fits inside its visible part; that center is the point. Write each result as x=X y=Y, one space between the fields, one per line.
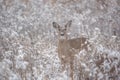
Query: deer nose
x=62 y=34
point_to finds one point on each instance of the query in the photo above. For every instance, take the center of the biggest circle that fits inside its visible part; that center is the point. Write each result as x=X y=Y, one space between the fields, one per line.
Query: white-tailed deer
x=67 y=48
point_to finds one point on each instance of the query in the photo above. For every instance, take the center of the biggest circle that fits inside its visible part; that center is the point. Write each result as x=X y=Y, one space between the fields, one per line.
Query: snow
x=28 y=42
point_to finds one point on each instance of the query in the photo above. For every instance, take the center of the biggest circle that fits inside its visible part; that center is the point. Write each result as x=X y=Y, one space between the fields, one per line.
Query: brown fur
x=67 y=48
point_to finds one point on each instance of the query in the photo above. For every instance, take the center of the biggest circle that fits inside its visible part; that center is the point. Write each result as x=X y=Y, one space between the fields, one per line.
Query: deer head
x=62 y=31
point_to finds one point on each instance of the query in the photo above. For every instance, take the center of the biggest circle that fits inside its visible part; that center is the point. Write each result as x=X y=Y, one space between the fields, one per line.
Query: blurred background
x=28 y=41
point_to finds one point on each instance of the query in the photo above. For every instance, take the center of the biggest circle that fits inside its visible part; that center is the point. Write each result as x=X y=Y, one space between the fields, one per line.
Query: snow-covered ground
x=28 y=42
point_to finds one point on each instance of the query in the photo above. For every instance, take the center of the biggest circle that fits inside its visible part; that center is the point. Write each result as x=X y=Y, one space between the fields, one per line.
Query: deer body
x=67 y=48
x=78 y=43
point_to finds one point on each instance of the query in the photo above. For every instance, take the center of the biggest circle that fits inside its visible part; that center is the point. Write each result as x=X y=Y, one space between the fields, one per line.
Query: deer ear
x=68 y=24
x=55 y=25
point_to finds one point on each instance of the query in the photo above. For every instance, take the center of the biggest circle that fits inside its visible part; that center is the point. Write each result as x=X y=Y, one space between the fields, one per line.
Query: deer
x=68 y=48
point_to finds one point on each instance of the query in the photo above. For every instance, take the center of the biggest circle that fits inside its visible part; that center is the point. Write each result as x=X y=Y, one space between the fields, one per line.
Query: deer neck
x=63 y=46
x=63 y=40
